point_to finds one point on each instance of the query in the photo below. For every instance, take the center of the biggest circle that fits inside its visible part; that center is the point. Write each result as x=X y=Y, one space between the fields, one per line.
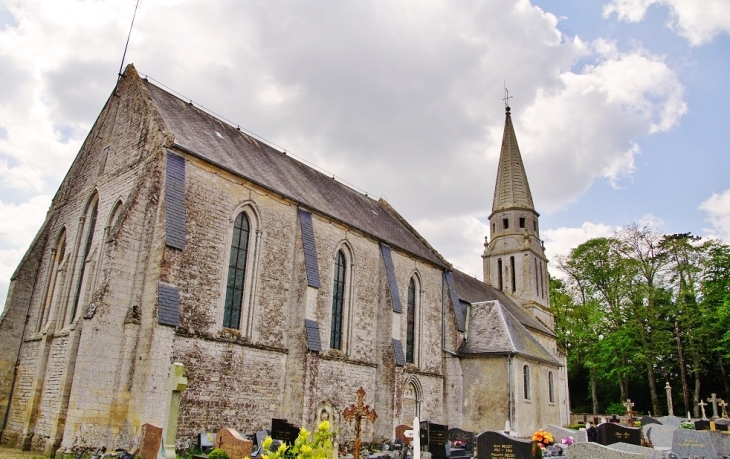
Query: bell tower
x=514 y=257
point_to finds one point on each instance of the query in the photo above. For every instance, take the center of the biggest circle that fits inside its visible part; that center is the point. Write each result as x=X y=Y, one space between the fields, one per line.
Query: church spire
x=511 y=190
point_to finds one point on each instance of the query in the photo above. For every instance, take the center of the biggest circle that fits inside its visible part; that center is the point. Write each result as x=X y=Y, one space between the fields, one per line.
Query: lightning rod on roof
x=124 y=55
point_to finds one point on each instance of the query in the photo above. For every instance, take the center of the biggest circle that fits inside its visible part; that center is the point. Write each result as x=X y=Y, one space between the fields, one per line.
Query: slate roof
x=473 y=290
x=494 y=330
x=202 y=135
x=511 y=189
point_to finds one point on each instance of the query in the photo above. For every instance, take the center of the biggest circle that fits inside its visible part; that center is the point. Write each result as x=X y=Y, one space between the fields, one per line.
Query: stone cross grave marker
x=670 y=405
x=723 y=405
x=176 y=384
x=356 y=412
x=713 y=400
x=415 y=437
x=702 y=405
x=629 y=411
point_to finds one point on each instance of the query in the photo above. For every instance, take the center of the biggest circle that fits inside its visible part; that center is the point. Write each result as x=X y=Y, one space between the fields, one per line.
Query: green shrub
x=218 y=454
x=616 y=408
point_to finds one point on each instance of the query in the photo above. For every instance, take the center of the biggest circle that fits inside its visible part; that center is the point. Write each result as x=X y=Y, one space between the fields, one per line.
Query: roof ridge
x=501 y=311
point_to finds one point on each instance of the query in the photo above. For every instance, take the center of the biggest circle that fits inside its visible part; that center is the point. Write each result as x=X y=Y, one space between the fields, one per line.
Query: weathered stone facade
x=130 y=272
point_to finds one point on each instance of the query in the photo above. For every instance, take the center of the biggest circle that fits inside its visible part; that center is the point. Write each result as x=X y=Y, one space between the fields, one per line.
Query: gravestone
x=205 y=441
x=462 y=443
x=496 y=445
x=558 y=433
x=722 y=424
x=672 y=421
x=436 y=438
x=284 y=431
x=595 y=451
x=610 y=433
x=150 y=440
x=260 y=436
x=649 y=420
x=702 y=424
x=175 y=385
x=661 y=436
x=400 y=434
x=714 y=401
x=233 y=443
x=688 y=443
x=647 y=453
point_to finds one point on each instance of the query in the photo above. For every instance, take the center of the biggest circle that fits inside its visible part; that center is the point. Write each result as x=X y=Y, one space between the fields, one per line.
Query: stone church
x=175 y=237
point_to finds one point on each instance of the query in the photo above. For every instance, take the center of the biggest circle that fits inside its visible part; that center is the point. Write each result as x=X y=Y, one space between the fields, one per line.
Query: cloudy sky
x=620 y=106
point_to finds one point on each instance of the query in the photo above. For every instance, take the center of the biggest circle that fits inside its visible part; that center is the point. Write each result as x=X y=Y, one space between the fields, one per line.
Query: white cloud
x=21 y=222
x=717 y=207
x=697 y=21
x=560 y=241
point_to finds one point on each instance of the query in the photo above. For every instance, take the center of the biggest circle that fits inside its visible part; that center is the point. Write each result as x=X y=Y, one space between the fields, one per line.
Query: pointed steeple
x=511 y=189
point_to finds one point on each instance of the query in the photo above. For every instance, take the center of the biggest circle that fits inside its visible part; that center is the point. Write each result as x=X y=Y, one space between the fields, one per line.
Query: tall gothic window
x=526 y=382
x=512 y=270
x=90 y=226
x=551 y=387
x=58 y=254
x=411 y=325
x=338 y=300
x=236 y=272
x=499 y=273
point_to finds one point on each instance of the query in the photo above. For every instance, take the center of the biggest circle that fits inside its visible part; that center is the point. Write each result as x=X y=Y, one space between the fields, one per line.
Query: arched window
x=499 y=273
x=412 y=396
x=236 y=272
x=89 y=227
x=512 y=270
x=526 y=382
x=551 y=387
x=411 y=324
x=55 y=280
x=338 y=301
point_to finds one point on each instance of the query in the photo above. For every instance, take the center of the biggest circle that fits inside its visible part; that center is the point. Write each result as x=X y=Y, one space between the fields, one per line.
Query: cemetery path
x=8 y=453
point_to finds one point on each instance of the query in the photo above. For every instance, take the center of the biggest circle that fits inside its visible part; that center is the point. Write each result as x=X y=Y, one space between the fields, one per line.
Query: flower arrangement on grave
x=218 y=454
x=567 y=441
x=319 y=447
x=543 y=437
x=687 y=425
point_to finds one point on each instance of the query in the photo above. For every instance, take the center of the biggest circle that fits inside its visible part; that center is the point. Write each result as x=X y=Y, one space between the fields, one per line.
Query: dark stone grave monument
x=496 y=445
x=702 y=424
x=609 y=433
x=462 y=443
x=435 y=437
x=284 y=431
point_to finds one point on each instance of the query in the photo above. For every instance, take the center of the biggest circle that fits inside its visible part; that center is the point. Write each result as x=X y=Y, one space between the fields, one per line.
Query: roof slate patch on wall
x=310 y=248
x=168 y=305
x=314 y=342
x=400 y=357
x=392 y=283
x=175 y=201
x=459 y=308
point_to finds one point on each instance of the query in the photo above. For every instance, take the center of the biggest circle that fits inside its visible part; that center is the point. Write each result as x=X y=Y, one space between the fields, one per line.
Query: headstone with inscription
x=610 y=433
x=205 y=441
x=462 y=443
x=400 y=434
x=434 y=438
x=496 y=445
x=595 y=451
x=688 y=443
x=284 y=431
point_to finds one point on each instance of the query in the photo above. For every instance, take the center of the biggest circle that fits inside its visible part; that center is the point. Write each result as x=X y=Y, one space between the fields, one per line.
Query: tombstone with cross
x=415 y=437
x=629 y=405
x=670 y=406
x=702 y=406
x=714 y=401
x=723 y=406
x=356 y=412
x=175 y=385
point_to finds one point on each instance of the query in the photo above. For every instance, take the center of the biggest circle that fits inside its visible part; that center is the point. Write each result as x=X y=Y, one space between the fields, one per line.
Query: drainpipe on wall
x=511 y=402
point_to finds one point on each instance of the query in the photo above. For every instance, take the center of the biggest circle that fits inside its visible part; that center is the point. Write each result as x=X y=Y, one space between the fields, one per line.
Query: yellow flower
x=267 y=443
x=324 y=425
x=282 y=448
x=306 y=449
x=303 y=433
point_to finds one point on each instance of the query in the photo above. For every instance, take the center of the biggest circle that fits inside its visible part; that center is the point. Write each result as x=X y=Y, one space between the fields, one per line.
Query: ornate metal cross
x=629 y=411
x=356 y=412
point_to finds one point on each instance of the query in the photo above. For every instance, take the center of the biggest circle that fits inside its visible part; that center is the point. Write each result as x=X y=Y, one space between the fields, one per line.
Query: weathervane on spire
x=507 y=97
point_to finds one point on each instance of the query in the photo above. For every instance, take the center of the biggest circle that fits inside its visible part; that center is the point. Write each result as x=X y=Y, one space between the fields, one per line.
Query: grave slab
x=661 y=436
x=233 y=443
x=595 y=451
x=496 y=445
x=150 y=440
x=610 y=433
x=558 y=433
x=673 y=421
x=647 y=453
x=649 y=420
x=688 y=443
